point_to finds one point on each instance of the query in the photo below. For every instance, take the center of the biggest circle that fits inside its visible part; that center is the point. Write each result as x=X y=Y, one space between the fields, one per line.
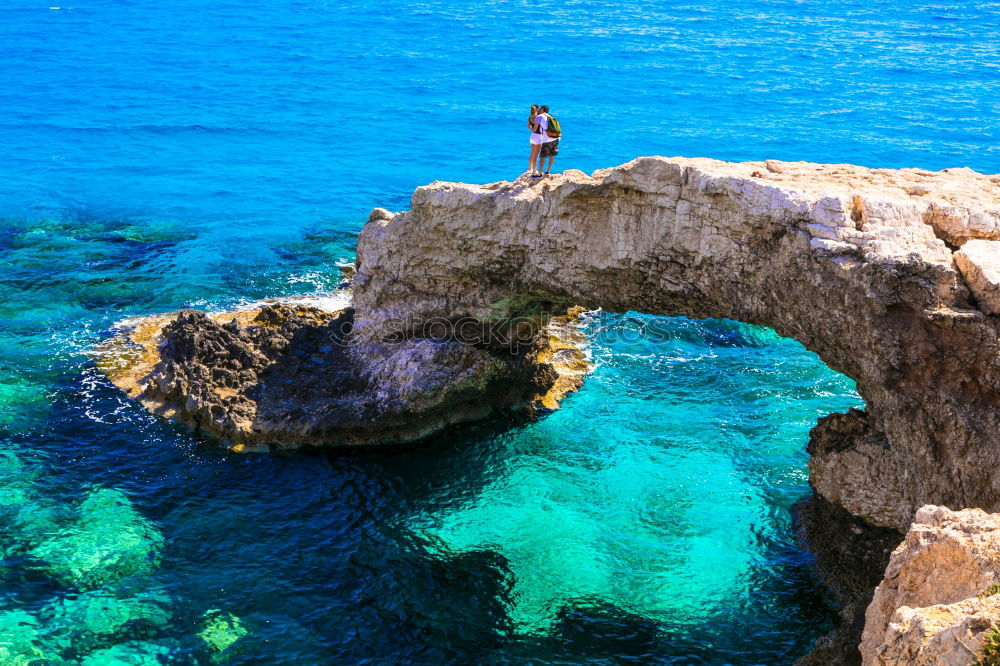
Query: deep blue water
x=155 y=156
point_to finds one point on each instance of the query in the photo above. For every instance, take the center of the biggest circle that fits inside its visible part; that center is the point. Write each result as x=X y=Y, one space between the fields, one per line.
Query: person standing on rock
x=552 y=133
x=537 y=139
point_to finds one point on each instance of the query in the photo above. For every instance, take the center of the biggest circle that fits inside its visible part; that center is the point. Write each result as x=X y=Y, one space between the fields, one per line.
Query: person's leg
x=551 y=150
x=535 y=149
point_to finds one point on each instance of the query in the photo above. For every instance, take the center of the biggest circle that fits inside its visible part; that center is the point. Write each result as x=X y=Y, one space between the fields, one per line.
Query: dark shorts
x=550 y=149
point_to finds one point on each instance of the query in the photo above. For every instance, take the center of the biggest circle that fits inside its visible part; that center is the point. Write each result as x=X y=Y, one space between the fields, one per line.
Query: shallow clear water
x=196 y=154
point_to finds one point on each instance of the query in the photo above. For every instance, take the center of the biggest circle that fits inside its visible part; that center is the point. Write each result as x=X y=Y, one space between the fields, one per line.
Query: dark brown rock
x=851 y=556
x=291 y=376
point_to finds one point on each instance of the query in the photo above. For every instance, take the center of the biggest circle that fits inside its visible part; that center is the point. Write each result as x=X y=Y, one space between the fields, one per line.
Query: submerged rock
x=251 y=640
x=20 y=401
x=940 y=598
x=21 y=639
x=15 y=482
x=26 y=517
x=220 y=629
x=91 y=619
x=109 y=541
x=135 y=653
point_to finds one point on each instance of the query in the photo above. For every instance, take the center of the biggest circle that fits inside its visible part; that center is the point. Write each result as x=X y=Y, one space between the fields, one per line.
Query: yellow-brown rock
x=939 y=599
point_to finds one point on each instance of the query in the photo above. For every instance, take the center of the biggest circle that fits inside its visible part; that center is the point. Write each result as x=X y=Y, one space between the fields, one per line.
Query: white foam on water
x=328 y=301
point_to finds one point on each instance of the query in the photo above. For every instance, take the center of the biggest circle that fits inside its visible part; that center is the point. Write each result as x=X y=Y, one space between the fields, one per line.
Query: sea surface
x=194 y=154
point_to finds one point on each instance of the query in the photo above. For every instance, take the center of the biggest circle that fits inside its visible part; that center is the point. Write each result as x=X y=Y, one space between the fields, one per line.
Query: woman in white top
x=538 y=137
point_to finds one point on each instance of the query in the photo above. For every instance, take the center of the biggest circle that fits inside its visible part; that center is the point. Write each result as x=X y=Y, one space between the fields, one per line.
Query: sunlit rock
x=979 y=261
x=940 y=598
x=220 y=629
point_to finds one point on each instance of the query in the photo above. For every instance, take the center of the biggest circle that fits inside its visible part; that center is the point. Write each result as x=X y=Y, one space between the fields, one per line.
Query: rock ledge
x=939 y=598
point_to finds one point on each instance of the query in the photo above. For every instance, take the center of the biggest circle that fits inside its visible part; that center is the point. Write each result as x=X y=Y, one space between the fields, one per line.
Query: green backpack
x=554 y=130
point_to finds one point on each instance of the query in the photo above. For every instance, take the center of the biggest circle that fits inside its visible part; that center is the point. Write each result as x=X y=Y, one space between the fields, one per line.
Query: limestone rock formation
x=939 y=600
x=890 y=276
x=857 y=264
x=289 y=376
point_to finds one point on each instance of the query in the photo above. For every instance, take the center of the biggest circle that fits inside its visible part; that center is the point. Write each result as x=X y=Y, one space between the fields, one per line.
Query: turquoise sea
x=195 y=154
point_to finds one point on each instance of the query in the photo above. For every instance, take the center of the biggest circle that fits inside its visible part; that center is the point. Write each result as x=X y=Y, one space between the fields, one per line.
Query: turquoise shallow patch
x=220 y=630
x=20 y=638
x=128 y=654
x=631 y=533
x=20 y=402
x=100 y=614
x=107 y=542
x=650 y=490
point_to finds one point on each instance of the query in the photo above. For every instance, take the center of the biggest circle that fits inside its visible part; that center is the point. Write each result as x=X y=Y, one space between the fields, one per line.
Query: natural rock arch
x=859 y=265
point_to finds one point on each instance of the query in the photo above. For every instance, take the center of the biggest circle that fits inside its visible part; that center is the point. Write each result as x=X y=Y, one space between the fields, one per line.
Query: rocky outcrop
x=939 y=601
x=289 y=376
x=890 y=276
x=857 y=264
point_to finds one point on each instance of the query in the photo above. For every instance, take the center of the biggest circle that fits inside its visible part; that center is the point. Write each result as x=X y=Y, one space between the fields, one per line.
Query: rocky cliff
x=888 y=275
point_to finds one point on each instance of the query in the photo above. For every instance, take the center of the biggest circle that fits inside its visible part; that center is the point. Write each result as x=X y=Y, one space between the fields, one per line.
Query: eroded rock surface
x=289 y=376
x=939 y=599
x=850 y=557
x=855 y=263
x=979 y=261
